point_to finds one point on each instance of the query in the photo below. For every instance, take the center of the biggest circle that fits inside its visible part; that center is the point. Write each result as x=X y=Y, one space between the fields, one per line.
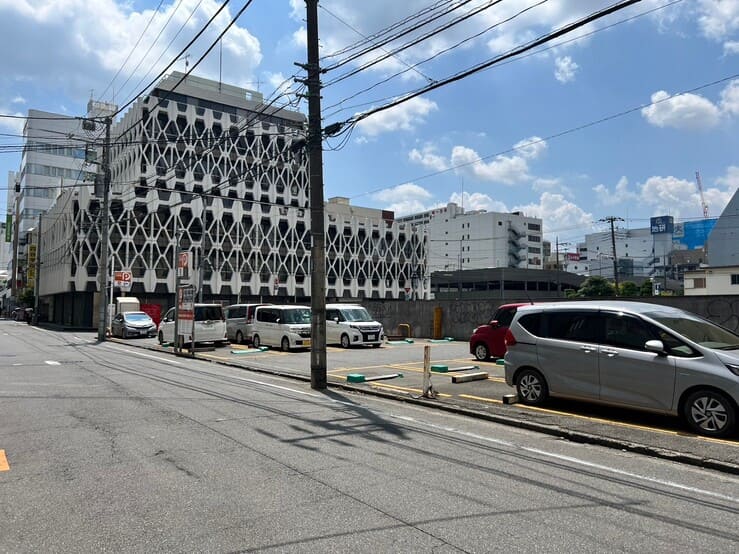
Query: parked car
x=489 y=340
x=240 y=322
x=352 y=325
x=209 y=326
x=132 y=324
x=285 y=326
x=628 y=354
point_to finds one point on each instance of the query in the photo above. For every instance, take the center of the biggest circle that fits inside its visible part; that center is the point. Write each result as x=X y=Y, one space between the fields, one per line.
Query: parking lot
x=396 y=370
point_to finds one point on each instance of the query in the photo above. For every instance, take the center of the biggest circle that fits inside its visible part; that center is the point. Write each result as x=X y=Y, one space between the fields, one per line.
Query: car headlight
x=734 y=368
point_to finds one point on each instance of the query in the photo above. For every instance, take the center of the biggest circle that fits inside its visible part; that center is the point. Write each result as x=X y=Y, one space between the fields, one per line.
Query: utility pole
x=104 y=214
x=611 y=219
x=16 y=229
x=38 y=274
x=318 y=378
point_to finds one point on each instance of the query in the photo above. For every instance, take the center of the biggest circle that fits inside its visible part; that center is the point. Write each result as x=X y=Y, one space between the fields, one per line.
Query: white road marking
x=52 y=362
x=165 y=360
x=670 y=484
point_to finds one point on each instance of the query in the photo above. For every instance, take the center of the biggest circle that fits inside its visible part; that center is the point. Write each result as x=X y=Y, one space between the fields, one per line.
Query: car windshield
x=698 y=330
x=208 y=313
x=298 y=315
x=136 y=317
x=356 y=314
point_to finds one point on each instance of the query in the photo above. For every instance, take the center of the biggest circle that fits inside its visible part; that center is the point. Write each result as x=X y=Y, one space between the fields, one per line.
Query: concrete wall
x=460 y=317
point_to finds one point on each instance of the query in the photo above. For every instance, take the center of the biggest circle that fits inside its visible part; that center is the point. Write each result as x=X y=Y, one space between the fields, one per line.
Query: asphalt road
x=106 y=447
x=586 y=422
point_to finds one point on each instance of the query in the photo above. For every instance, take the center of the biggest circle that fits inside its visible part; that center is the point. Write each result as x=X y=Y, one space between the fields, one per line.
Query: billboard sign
x=8 y=228
x=185 y=311
x=661 y=224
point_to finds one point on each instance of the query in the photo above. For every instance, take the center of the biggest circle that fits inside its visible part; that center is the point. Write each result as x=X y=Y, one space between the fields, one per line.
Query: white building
x=459 y=240
x=211 y=169
x=712 y=280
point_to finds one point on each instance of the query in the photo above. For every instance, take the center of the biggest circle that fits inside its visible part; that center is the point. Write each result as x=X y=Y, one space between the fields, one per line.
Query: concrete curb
x=552 y=430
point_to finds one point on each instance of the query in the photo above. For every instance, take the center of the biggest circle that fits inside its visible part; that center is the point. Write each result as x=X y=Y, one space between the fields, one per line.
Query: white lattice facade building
x=214 y=167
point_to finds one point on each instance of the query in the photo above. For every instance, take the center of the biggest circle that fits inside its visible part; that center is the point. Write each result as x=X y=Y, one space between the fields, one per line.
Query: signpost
x=186 y=316
x=123 y=280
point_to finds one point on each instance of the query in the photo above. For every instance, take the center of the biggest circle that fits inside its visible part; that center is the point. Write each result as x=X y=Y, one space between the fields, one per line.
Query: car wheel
x=345 y=343
x=481 y=352
x=285 y=344
x=256 y=342
x=531 y=387
x=709 y=413
x=239 y=337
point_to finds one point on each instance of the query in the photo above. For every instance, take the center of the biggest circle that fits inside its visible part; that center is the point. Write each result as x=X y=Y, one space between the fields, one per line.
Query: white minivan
x=210 y=325
x=352 y=325
x=285 y=326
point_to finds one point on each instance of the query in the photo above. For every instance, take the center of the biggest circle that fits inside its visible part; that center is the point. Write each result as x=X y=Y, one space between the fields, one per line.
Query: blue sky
x=541 y=134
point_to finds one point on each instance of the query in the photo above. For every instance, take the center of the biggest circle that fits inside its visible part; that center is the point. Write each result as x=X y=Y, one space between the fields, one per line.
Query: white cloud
x=731 y=47
x=14 y=125
x=620 y=194
x=404 y=117
x=730 y=98
x=508 y=170
x=428 y=158
x=558 y=214
x=478 y=201
x=685 y=111
x=719 y=18
x=97 y=35
x=670 y=195
x=18 y=100
x=404 y=199
x=565 y=69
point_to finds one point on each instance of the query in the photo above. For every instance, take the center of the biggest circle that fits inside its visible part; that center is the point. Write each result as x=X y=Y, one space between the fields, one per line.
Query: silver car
x=133 y=324
x=628 y=354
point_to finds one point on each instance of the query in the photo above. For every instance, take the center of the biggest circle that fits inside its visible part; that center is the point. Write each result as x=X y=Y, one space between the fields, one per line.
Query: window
x=534 y=227
x=532 y=323
x=504 y=317
x=627 y=332
x=735 y=279
x=699 y=283
x=534 y=238
x=577 y=326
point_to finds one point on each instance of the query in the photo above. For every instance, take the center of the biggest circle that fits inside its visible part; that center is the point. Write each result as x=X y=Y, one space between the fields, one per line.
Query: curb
x=552 y=430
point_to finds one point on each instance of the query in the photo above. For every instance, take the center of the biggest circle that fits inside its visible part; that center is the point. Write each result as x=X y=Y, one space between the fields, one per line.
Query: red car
x=489 y=340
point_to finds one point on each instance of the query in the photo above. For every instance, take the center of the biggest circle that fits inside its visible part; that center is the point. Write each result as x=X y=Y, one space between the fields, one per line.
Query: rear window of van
x=208 y=313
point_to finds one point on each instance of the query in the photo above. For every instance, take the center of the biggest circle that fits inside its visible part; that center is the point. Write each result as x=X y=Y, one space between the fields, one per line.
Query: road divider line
x=480 y=398
x=4 y=465
x=165 y=360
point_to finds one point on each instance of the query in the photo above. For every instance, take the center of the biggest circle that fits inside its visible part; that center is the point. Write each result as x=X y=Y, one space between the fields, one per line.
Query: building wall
x=712 y=281
x=479 y=239
x=723 y=242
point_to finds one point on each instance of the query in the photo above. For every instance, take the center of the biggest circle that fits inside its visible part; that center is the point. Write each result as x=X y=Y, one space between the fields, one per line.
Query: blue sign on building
x=661 y=224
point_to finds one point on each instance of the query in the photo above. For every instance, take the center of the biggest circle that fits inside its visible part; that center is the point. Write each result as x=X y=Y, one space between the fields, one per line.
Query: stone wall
x=460 y=317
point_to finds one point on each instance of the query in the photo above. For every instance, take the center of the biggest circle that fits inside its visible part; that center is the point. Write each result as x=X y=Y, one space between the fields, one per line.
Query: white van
x=284 y=326
x=352 y=325
x=210 y=325
x=240 y=322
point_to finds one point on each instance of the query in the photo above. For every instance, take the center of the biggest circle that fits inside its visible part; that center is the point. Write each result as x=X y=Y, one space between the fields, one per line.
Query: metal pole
x=38 y=274
x=318 y=379
x=103 y=214
x=175 y=338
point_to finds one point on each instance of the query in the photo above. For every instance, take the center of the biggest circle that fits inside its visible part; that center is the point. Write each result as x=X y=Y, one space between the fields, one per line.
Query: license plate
x=306 y=343
x=370 y=337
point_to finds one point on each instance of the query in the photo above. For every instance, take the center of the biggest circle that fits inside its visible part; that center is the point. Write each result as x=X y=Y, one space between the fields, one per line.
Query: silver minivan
x=240 y=322
x=209 y=326
x=629 y=354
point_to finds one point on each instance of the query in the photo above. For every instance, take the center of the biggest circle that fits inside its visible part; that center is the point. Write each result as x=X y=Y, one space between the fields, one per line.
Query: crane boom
x=700 y=190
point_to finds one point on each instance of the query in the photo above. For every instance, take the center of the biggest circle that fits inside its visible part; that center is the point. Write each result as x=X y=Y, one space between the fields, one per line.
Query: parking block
x=250 y=350
x=360 y=378
x=465 y=377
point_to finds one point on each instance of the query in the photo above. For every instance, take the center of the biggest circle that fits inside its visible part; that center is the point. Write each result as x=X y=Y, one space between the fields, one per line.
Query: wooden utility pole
x=611 y=219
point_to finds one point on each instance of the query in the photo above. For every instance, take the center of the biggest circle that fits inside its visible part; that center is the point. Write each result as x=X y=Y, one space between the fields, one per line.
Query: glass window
x=735 y=279
x=504 y=316
x=577 y=326
x=697 y=329
x=532 y=323
x=626 y=331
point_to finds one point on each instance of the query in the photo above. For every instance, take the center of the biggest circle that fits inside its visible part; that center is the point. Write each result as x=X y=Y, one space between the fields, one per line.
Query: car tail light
x=510 y=340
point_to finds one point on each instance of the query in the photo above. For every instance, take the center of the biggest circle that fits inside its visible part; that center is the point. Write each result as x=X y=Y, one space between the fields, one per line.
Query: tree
x=629 y=288
x=646 y=288
x=596 y=286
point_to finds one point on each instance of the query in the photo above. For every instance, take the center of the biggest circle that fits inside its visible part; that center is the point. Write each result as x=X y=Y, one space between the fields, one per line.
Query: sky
x=612 y=119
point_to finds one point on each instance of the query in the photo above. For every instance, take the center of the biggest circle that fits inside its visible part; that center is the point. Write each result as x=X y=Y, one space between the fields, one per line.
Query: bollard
x=428 y=389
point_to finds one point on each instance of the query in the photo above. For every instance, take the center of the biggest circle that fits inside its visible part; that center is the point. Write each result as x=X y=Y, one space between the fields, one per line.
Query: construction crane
x=700 y=189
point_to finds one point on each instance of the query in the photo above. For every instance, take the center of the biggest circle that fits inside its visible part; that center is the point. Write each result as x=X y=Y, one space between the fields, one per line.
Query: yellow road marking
x=606 y=421
x=4 y=465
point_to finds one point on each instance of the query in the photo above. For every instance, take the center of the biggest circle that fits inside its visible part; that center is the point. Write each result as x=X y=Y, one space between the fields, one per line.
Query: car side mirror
x=336 y=319
x=277 y=320
x=655 y=346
